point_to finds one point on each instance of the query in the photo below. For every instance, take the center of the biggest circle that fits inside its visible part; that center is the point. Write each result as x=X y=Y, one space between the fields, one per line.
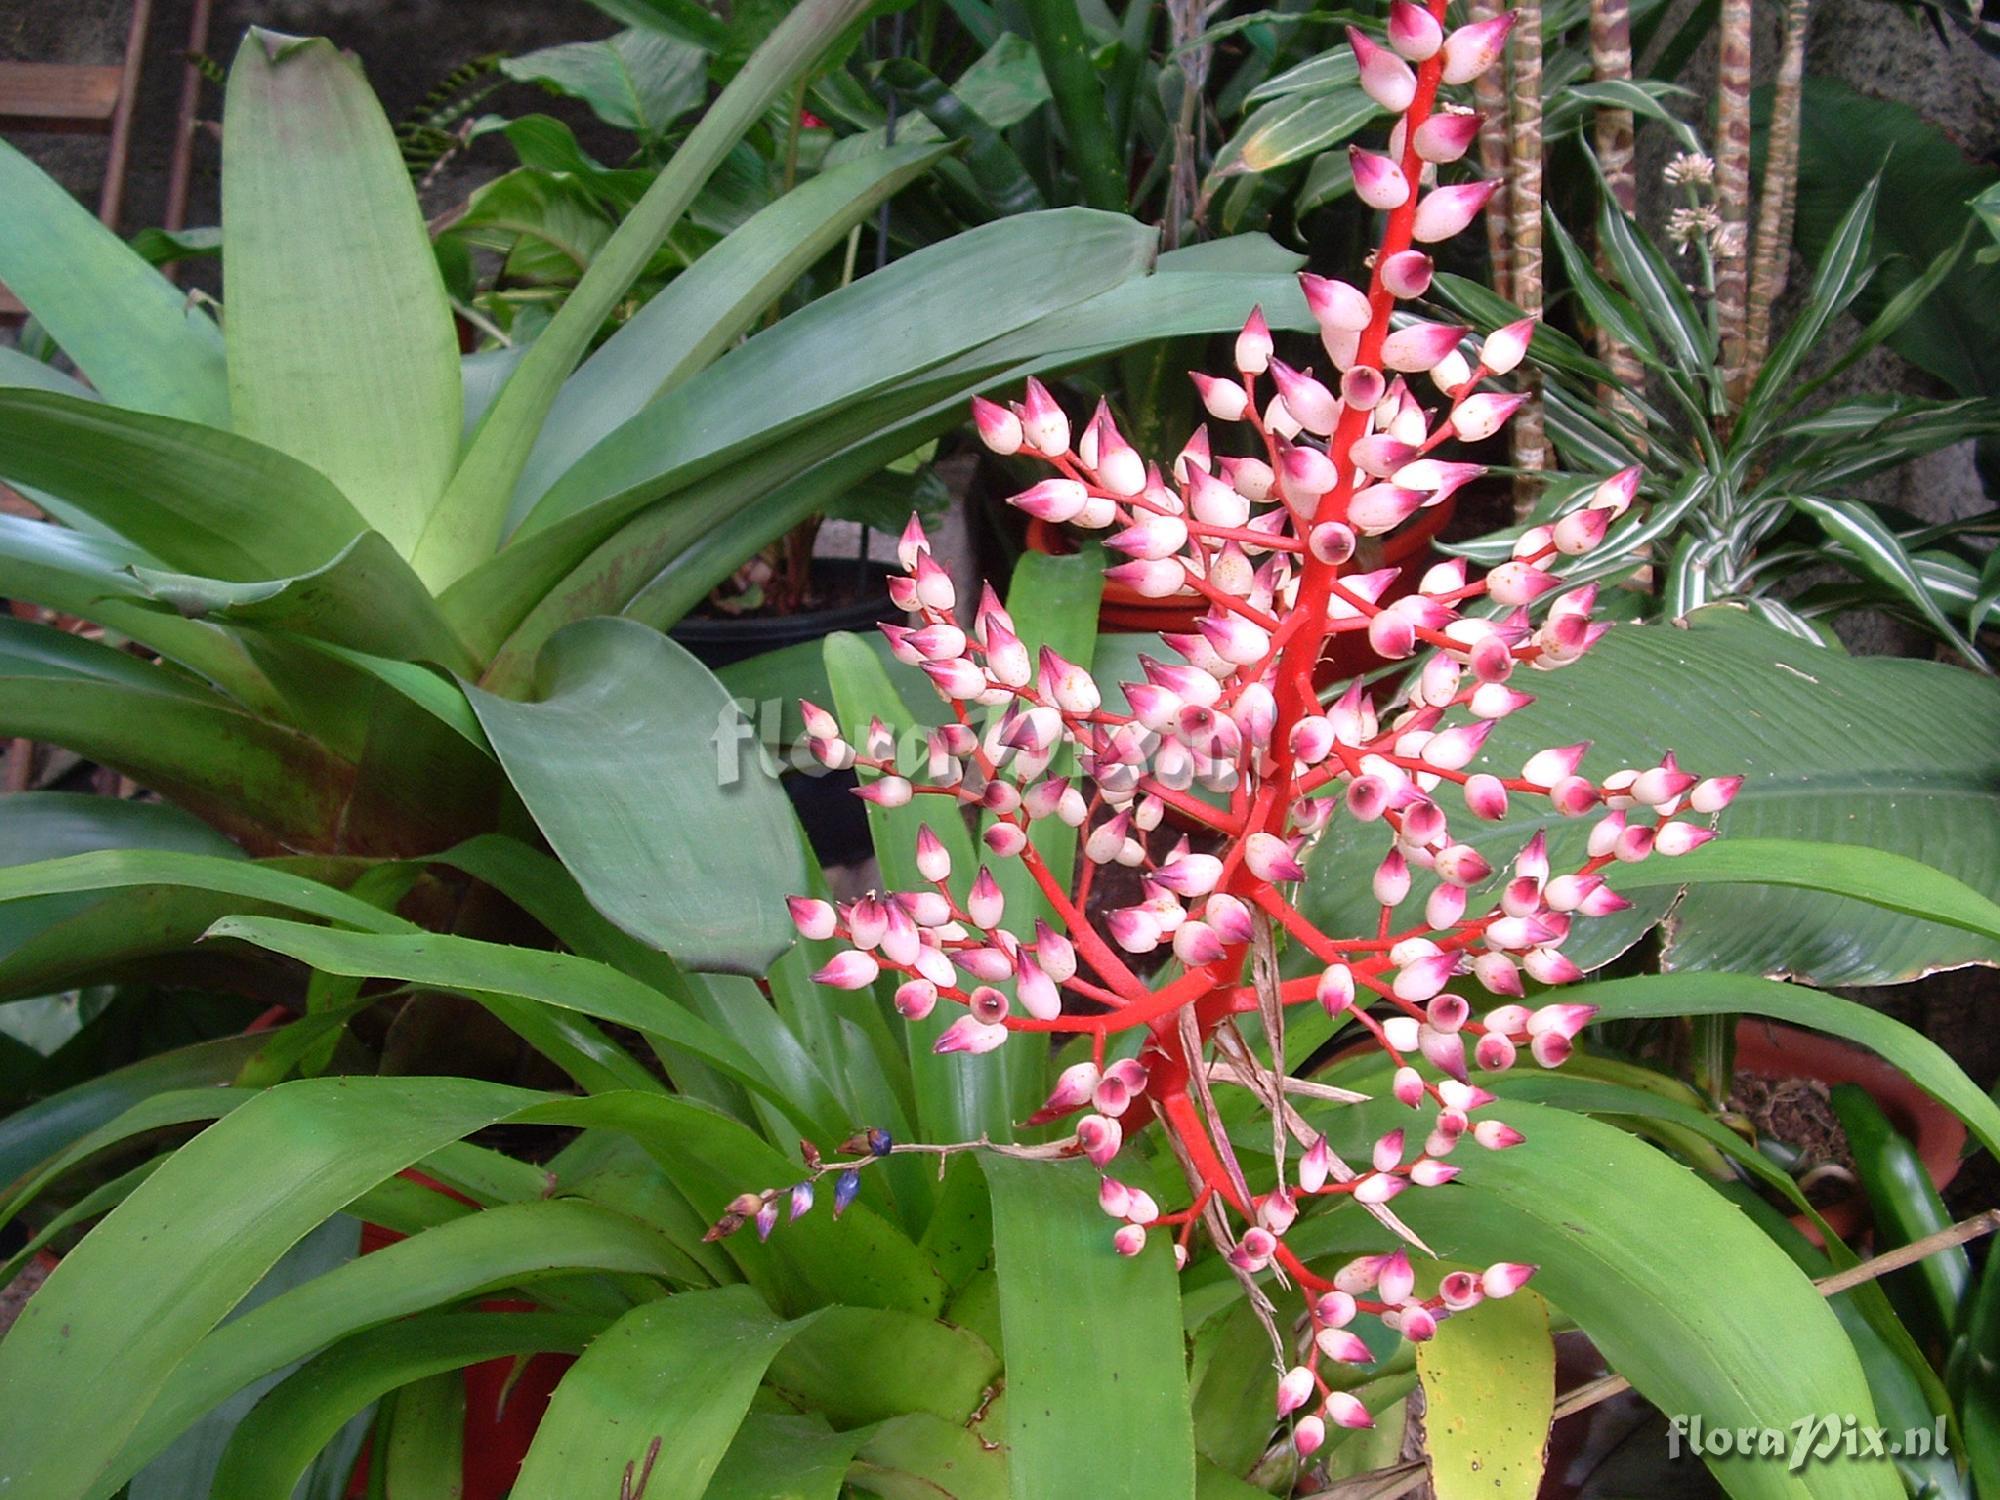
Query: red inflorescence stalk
x=1269 y=540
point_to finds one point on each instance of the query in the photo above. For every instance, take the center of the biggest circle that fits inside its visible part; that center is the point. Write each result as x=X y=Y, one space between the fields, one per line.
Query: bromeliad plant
x=1270 y=539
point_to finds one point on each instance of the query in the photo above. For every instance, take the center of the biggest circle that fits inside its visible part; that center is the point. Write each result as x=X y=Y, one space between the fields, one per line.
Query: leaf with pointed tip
x=661 y=1392
x=343 y=357
x=205 y=501
x=631 y=764
x=365 y=598
x=468 y=522
x=138 y=337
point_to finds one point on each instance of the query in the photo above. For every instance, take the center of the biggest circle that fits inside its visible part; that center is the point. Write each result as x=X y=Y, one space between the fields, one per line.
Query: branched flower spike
x=1269 y=540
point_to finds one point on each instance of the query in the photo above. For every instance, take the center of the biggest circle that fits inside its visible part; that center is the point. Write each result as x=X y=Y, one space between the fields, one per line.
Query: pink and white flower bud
x=1378 y=1188
x=1331 y=542
x=1445 y=211
x=1471 y=50
x=1073 y=1089
x=1385 y=77
x=1616 y=493
x=1551 y=1050
x=1495 y=1053
x=1413 y=31
x=987 y=1005
x=1482 y=414
x=1419 y=346
x=815 y=920
x=1344 y=1410
x=1100 y=1138
x=1308 y=1436
x=1113 y=1197
x=1190 y=874
x=1378 y=181
x=1716 y=793
x=1392 y=636
x=851 y=970
x=1446 y=136
x=1335 y=990
x=1505 y=1278
x=1295 y=1389
x=916 y=999
x=1392 y=880
x=1676 y=839
x=1052 y=500
x=1315 y=1166
x=1236 y=640
x=1462 y=865
x=1335 y=1309
x=1460 y=1290
x=1381 y=508
x=1195 y=943
x=1043 y=423
x=1155 y=580
x=1506 y=347
x=1335 y=304
x=1307 y=399
x=999 y=428
x=1407 y=273
x=1581 y=530
x=1408 y=1087
x=1496 y=1135
x=1229 y=917
x=1340 y=1345
x=1129 y=1240
x=1419 y=1324
x=969 y=1034
x=1253 y=344
x=1546 y=767
x=1270 y=858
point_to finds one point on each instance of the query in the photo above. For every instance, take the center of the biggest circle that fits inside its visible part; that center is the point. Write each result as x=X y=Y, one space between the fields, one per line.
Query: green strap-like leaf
x=1879 y=555
x=1097 y=1399
x=467 y=523
x=708 y=306
x=138 y=337
x=660 y=1393
x=204 y=501
x=341 y=347
x=637 y=769
x=514 y=1245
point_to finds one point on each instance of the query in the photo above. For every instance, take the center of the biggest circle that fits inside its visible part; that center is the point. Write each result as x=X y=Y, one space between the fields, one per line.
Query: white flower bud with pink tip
x=1496 y=1135
x=1134 y=928
x=1225 y=400
x=1484 y=413
x=1413 y=31
x=1445 y=136
x=1385 y=77
x=1229 y=917
x=1676 y=839
x=1043 y=423
x=1335 y=990
x=1213 y=503
x=851 y=970
x=1236 y=640
x=1471 y=50
x=1269 y=857
x=1418 y=346
x=1113 y=1197
x=1495 y=1053
x=1392 y=879
x=1155 y=580
x=1335 y=304
x=1195 y=943
x=1190 y=874
x=1072 y=1091
x=1617 y=492
x=916 y=999
x=1100 y=1138
x=1052 y=500
x=815 y=920
x=1381 y=508
x=1716 y=793
x=1306 y=399
x=999 y=428
x=1505 y=348
x=1505 y=1278
x=1344 y=1410
x=1378 y=181
x=1253 y=344
x=1407 y=273
x=1401 y=1033
x=1295 y=1389
x=1444 y=212
x=969 y=1034
x=1308 y=1436
x=1315 y=1166
x=1129 y=1240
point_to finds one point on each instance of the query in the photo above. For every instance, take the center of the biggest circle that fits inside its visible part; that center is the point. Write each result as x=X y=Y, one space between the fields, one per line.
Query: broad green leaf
x=426 y=1441
x=515 y=1245
x=365 y=599
x=1886 y=754
x=1880 y=878
x=708 y=306
x=1096 y=1375
x=138 y=337
x=959 y=1096
x=638 y=80
x=99 y=1342
x=204 y=501
x=921 y=1457
x=277 y=1442
x=775 y=1457
x=345 y=357
x=660 y=1393
x=632 y=764
x=1619 y=1231
x=1489 y=1379
x=468 y=522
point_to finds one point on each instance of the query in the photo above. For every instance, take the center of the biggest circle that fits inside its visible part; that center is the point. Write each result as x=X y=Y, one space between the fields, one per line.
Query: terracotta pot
x=1127 y=611
x=1766 y=1049
x=502 y=1409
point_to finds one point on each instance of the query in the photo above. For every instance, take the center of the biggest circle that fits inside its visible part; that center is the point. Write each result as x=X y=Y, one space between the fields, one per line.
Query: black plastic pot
x=835 y=820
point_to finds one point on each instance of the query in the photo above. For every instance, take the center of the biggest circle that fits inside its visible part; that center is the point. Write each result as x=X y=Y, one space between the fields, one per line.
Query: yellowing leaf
x=1489 y=1394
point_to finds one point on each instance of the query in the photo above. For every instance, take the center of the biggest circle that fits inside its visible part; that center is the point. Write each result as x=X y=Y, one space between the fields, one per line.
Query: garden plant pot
x=1766 y=1049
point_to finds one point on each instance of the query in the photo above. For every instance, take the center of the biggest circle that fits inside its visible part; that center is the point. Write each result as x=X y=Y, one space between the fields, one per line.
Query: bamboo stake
x=1489 y=94
x=1771 y=264
x=1524 y=222
x=1732 y=182
x=1611 y=59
